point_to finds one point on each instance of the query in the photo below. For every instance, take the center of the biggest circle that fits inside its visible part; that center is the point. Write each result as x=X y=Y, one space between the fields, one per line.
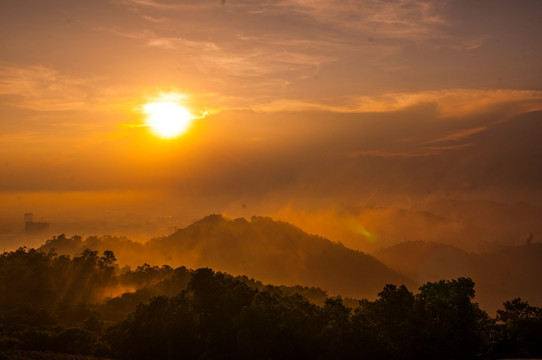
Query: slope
x=271 y=251
x=499 y=276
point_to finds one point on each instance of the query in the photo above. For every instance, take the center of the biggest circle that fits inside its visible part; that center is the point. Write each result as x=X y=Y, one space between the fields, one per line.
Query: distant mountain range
x=499 y=276
x=270 y=251
x=479 y=226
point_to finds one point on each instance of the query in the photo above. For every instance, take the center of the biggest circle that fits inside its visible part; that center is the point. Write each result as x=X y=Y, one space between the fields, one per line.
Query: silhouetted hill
x=514 y=270
x=471 y=225
x=271 y=251
x=423 y=261
x=485 y=226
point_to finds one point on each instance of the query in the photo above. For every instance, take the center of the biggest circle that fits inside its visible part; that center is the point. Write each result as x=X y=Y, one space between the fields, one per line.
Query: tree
x=453 y=325
x=519 y=330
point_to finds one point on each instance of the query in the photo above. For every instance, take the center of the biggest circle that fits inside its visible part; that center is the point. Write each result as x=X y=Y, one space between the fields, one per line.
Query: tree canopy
x=88 y=306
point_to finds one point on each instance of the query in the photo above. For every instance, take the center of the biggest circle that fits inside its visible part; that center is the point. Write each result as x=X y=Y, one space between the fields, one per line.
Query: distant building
x=31 y=226
x=28 y=217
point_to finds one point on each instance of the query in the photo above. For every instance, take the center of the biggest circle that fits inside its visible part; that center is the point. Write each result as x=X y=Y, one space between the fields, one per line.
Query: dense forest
x=61 y=307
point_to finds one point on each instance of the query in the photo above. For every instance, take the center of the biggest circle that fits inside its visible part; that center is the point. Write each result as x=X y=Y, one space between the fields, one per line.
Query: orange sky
x=310 y=103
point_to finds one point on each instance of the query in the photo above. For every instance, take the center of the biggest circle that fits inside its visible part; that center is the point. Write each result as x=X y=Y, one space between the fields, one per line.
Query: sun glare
x=167 y=119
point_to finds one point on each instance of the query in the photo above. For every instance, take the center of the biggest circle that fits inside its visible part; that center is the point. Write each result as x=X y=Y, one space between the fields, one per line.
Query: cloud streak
x=41 y=88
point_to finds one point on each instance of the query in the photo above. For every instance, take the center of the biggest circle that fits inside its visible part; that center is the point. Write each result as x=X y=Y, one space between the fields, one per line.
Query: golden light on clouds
x=304 y=100
x=167 y=117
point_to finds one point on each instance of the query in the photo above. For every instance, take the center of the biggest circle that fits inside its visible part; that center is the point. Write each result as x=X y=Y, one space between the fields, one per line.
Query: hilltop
x=271 y=251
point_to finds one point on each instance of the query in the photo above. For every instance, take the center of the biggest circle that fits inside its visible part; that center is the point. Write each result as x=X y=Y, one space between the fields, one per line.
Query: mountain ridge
x=272 y=251
x=498 y=274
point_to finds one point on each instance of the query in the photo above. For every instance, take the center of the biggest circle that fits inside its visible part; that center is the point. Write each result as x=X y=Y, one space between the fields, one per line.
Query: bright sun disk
x=167 y=119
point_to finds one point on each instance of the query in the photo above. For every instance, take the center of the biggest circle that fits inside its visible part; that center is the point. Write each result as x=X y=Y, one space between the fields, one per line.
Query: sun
x=167 y=119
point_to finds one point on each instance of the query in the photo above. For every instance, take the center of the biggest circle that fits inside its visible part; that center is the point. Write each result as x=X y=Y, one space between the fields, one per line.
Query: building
x=31 y=226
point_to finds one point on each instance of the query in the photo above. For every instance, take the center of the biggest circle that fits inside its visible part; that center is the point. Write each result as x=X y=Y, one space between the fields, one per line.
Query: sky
x=298 y=105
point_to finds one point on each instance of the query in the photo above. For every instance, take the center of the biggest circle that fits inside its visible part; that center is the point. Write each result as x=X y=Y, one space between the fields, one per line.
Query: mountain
x=426 y=261
x=509 y=273
x=485 y=226
x=501 y=275
x=271 y=251
x=471 y=225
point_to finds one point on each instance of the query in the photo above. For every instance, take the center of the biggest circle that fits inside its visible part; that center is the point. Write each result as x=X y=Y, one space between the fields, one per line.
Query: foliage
x=72 y=308
x=519 y=329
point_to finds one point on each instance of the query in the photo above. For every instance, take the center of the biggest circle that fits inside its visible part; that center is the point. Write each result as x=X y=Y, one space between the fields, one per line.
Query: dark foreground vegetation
x=86 y=307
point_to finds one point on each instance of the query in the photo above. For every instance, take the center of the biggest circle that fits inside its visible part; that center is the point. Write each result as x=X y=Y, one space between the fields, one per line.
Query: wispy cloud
x=45 y=89
x=457 y=136
x=400 y=19
x=259 y=62
x=41 y=88
x=151 y=39
x=452 y=102
x=448 y=103
x=177 y=42
x=162 y=5
x=410 y=153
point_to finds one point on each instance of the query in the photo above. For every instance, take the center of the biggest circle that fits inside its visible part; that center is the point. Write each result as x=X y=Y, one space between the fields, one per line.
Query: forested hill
x=272 y=251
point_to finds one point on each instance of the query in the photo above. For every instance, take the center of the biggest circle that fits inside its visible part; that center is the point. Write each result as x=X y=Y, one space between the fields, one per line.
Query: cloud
x=453 y=102
x=339 y=20
x=260 y=62
x=448 y=103
x=151 y=39
x=358 y=50
x=412 y=153
x=162 y=5
x=176 y=42
x=403 y=19
x=458 y=135
x=310 y=28
x=44 y=89
x=41 y=88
